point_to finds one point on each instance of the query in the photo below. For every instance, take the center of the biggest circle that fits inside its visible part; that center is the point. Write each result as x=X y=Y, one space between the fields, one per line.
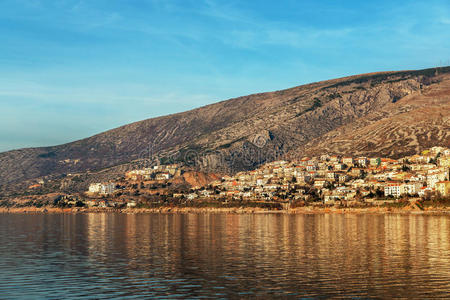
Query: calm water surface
x=224 y=255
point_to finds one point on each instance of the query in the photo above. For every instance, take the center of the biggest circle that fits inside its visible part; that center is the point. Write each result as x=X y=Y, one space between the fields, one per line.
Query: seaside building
x=102 y=188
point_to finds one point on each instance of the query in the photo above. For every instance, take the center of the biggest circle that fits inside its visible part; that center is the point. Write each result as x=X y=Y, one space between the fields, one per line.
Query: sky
x=70 y=69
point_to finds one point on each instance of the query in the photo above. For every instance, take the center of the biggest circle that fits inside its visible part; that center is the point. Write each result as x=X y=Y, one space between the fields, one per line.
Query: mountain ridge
x=238 y=133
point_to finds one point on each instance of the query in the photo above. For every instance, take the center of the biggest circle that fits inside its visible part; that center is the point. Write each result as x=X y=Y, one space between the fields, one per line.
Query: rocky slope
x=417 y=121
x=390 y=113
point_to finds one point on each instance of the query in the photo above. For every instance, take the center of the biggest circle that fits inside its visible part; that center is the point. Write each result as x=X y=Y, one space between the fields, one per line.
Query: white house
x=392 y=189
x=410 y=188
x=397 y=189
x=348 y=161
x=362 y=161
x=102 y=188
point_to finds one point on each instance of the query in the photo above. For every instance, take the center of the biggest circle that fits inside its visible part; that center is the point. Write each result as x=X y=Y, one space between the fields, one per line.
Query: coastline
x=243 y=210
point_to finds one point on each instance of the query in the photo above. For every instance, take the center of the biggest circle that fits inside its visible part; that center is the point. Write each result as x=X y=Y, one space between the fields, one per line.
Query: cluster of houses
x=159 y=172
x=328 y=178
x=335 y=178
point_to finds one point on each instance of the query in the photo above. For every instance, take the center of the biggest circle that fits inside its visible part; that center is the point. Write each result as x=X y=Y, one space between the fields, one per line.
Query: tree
x=79 y=204
x=379 y=193
x=370 y=195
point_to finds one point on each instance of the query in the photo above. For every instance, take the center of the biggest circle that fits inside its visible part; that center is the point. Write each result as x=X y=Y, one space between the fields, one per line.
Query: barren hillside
x=390 y=113
x=414 y=122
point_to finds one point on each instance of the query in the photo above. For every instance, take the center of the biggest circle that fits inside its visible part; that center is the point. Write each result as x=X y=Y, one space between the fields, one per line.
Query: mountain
x=388 y=113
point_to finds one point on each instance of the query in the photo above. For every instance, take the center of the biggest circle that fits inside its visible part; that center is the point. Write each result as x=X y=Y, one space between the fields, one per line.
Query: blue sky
x=73 y=68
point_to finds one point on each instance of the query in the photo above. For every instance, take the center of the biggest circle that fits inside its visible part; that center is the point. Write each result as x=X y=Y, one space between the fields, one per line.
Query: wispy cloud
x=110 y=62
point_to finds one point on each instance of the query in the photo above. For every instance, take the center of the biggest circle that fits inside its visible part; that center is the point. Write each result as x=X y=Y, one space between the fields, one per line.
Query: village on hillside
x=325 y=180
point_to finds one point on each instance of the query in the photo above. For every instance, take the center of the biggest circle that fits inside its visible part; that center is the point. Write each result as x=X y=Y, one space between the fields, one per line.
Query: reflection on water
x=224 y=255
